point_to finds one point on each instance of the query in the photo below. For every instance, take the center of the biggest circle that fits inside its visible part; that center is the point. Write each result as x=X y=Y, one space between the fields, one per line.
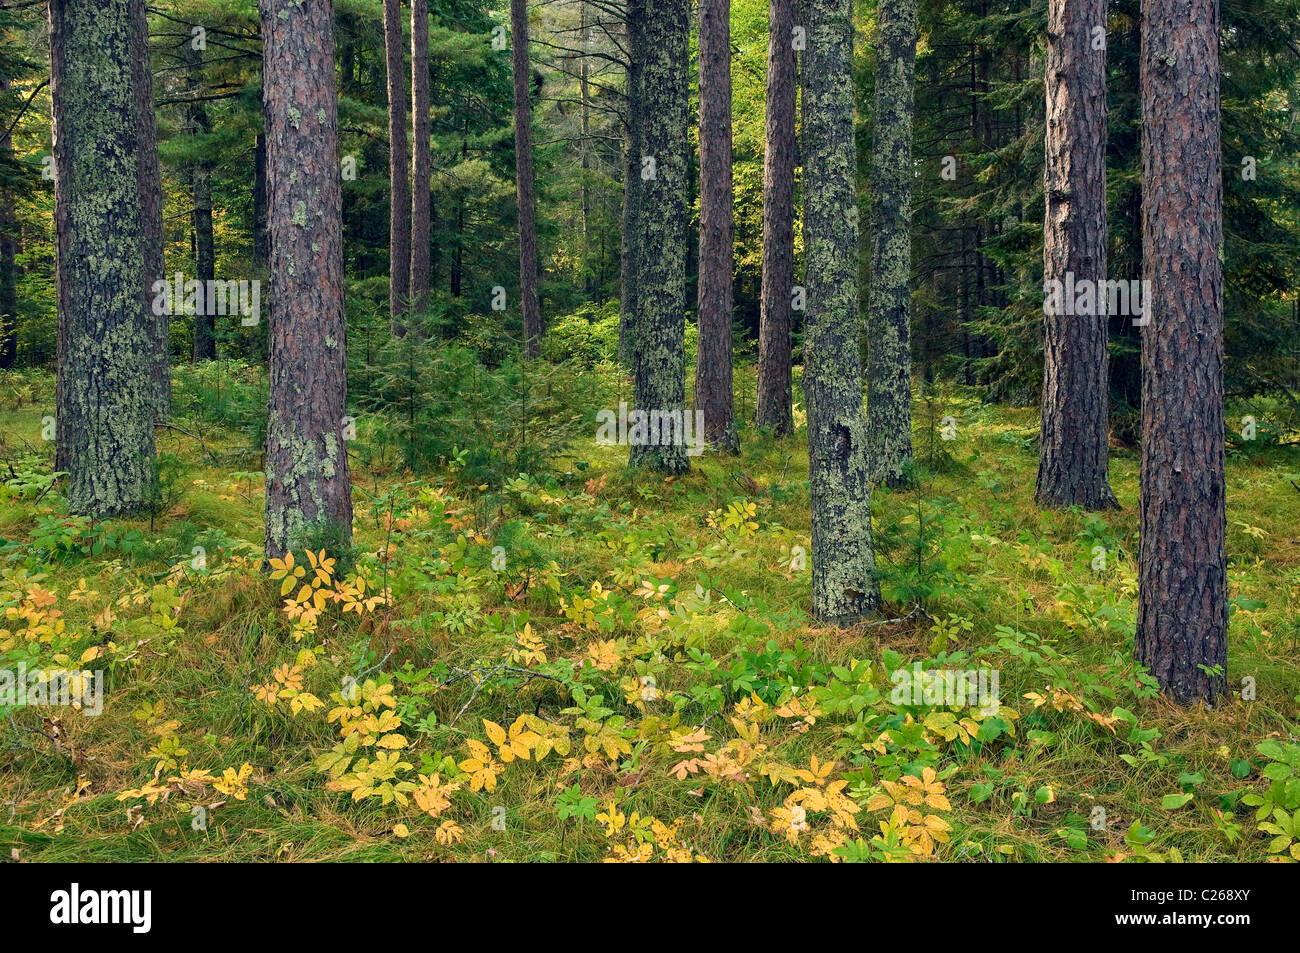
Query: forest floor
x=592 y=663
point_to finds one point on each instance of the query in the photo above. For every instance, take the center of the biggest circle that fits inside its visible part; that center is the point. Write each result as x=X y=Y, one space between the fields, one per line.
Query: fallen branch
x=203 y=446
x=917 y=612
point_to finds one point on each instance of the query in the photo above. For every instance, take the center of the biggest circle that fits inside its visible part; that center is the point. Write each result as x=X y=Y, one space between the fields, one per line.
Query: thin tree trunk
x=1073 y=457
x=584 y=96
x=889 y=329
x=631 y=239
x=260 y=250
x=843 y=562
x=151 y=209
x=399 y=182
x=1182 y=629
x=457 y=275
x=717 y=229
x=525 y=188
x=308 y=490
x=420 y=156
x=775 y=392
x=105 y=395
x=8 y=260
x=205 y=262
x=660 y=387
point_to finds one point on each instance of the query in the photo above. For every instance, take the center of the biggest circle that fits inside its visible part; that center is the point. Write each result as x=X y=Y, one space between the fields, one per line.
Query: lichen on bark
x=308 y=489
x=714 y=301
x=889 y=352
x=844 y=586
x=105 y=394
x=660 y=325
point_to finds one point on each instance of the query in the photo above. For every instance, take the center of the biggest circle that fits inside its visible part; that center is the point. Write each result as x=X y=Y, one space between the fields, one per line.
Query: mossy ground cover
x=590 y=663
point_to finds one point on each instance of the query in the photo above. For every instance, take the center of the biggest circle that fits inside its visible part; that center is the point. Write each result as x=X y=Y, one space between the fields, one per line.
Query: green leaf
x=1271 y=750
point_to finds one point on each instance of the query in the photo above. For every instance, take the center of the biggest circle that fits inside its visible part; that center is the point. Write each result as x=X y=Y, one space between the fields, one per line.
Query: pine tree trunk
x=775 y=393
x=260 y=249
x=205 y=260
x=105 y=394
x=584 y=96
x=717 y=229
x=843 y=563
x=420 y=156
x=399 y=182
x=151 y=208
x=8 y=285
x=1182 y=565
x=631 y=238
x=308 y=490
x=1073 y=452
x=660 y=386
x=8 y=260
x=889 y=332
x=524 y=184
x=456 y=277
x=205 y=266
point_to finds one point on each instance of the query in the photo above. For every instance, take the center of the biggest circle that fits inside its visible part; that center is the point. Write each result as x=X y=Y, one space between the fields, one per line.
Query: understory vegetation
x=534 y=653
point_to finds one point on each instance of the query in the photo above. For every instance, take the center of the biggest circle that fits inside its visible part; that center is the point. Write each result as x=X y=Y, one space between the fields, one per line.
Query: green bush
x=424 y=405
x=587 y=336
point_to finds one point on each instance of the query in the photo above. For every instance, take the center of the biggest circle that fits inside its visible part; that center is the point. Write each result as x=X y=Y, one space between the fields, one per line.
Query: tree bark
x=420 y=156
x=660 y=386
x=775 y=392
x=105 y=394
x=308 y=490
x=260 y=249
x=1075 y=434
x=524 y=185
x=717 y=229
x=205 y=258
x=1182 y=566
x=151 y=210
x=584 y=96
x=889 y=331
x=399 y=182
x=8 y=260
x=631 y=238
x=843 y=562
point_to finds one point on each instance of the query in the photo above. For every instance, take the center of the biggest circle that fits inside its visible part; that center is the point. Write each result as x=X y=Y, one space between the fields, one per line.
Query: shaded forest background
x=978 y=204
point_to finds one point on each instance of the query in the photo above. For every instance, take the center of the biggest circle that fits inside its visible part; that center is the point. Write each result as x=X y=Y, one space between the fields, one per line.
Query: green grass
x=1014 y=587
